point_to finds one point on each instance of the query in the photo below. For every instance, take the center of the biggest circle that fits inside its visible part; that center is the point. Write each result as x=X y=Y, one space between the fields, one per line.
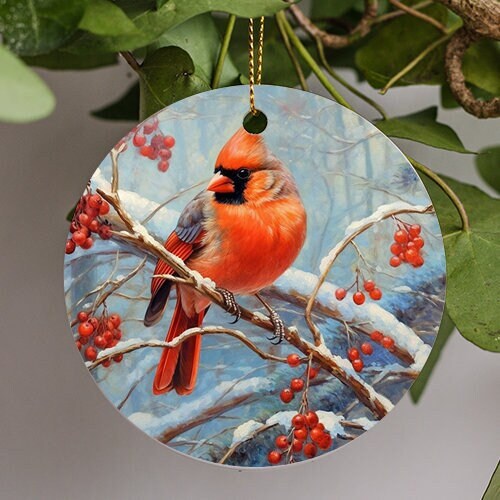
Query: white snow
x=364 y=422
x=331 y=421
x=244 y=431
x=283 y=418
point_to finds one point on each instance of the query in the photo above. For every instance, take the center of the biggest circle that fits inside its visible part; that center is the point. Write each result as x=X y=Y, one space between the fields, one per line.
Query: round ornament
x=254 y=299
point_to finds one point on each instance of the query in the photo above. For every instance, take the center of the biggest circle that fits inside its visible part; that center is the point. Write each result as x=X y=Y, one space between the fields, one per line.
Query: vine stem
x=447 y=190
x=345 y=83
x=223 y=51
x=294 y=39
x=131 y=61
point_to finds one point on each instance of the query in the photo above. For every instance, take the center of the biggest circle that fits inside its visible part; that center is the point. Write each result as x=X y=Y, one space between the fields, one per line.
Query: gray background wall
x=61 y=439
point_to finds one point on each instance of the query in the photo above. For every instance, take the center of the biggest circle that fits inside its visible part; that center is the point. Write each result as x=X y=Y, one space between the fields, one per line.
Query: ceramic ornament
x=254 y=299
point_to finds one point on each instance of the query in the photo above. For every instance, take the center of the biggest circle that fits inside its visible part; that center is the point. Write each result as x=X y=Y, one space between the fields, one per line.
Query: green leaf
x=200 y=38
x=277 y=67
x=493 y=489
x=423 y=127
x=473 y=283
x=488 y=165
x=126 y=108
x=153 y=23
x=442 y=337
x=31 y=27
x=168 y=75
x=396 y=43
x=328 y=9
x=59 y=59
x=103 y=17
x=24 y=96
x=481 y=67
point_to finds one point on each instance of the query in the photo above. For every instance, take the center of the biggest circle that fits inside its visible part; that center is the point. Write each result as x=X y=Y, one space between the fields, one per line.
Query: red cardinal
x=243 y=232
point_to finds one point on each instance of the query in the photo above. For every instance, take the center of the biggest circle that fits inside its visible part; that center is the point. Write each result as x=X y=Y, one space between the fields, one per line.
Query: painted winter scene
x=254 y=300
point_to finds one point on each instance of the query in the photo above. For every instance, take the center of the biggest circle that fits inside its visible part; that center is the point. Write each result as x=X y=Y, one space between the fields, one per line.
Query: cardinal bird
x=242 y=232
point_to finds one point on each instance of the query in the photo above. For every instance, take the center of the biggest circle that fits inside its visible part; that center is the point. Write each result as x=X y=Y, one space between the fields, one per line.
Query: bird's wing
x=183 y=241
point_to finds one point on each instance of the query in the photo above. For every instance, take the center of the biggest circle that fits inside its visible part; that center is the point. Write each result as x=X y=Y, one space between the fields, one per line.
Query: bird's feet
x=279 y=327
x=232 y=306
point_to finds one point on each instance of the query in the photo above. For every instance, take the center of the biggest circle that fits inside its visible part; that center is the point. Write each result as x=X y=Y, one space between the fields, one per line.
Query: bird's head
x=245 y=170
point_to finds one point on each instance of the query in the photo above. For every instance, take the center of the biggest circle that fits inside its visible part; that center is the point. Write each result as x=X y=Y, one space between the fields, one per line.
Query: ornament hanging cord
x=255 y=77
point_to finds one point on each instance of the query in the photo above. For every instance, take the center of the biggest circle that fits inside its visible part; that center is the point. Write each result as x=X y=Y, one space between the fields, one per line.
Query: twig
x=414 y=62
x=131 y=61
x=291 y=54
x=397 y=13
x=447 y=190
x=311 y=62
x=420 y=15
x=223 y=51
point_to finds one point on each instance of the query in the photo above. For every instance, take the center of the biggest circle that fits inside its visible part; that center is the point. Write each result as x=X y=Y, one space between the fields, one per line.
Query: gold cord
x=255 y=79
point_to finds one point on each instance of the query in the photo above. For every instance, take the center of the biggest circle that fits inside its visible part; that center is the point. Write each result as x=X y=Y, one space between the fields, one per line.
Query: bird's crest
x=243 y=150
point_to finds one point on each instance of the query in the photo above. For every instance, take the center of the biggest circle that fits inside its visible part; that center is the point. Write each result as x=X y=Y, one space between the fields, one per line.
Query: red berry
x=106 y=363
x=157 y=141
x=108 y=336
x=109 y=325
x=282 y=442
x=326 y=442
x=369 y=285
x=340 y=293
x=418 y=262
x=395 y=261
x=95 y=201
x=115 y=320
x=117 y=334
x=312 y=372
x=78 y=344
x=105 y=232
x=146 y=150
x=85 y=329
x=401 y=236
x=396 y=249
x=418 y=241
x=118 y=358
x=293 y=360
x=83 y=340
x=91 y=353
x=311 y=418
x=297 y=445
x=402 y=257
x=163 y=165
x=320 y=426
x=70 y=247
x=298 y=421
x=415 y=230
x=310 y=450
x=139 y=140
x=358 y=298
x=376 y=294
x=104 y=209
x=316 y=434
x=165 y=153
x=286 y=395
x=94 y=226
x=366 y=348
x=82 y=316
x=84 y=219
x=411 y=255
x=274 y=457
x=297 y=384
x=73 y=227
x=388 y=343
x=376 y=336
x=87 y=243
x=169 y=141
x=100 y=342
x=78 y=237
x=352 y=354
x=91 y=212
x=300 y=433
x=94 y=322
x=358 y=365
x=150 y=127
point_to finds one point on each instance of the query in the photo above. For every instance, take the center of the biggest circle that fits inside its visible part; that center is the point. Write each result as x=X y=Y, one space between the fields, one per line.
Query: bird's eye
x=243 y=173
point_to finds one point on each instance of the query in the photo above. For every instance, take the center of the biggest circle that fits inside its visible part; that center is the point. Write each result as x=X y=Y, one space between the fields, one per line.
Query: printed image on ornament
x=253 y=300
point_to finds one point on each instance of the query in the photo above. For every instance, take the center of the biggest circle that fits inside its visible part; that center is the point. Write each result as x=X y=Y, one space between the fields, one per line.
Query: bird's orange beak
x=220 y=184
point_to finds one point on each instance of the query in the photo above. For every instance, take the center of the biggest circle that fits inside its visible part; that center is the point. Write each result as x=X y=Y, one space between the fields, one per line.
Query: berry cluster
x=384 y=340
x=359 y=297
x=159 y=146
x=354 y=355
x=307 y=433
x=87 y=219
x=407 y=245
x=97 y=333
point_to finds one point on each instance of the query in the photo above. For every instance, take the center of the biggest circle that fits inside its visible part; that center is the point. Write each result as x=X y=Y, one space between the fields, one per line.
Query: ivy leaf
x=168 y=75
x=445 y=330
x=126 y=108
x=103 y=17
x=334 y=8
x=402 y=40
x=480 y=65
x=473 y=283
x=488 y=165
x=423 y=127
x=24 y=96
x=31 y=28
x=59 y=59
x=493 y=489
x=200 y=38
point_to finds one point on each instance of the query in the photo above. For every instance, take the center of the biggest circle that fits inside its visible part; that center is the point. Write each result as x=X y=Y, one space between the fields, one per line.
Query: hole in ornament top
x=255 y=124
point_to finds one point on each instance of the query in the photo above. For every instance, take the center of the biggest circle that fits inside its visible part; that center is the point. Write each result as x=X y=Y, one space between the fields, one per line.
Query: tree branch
x=419 y=15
